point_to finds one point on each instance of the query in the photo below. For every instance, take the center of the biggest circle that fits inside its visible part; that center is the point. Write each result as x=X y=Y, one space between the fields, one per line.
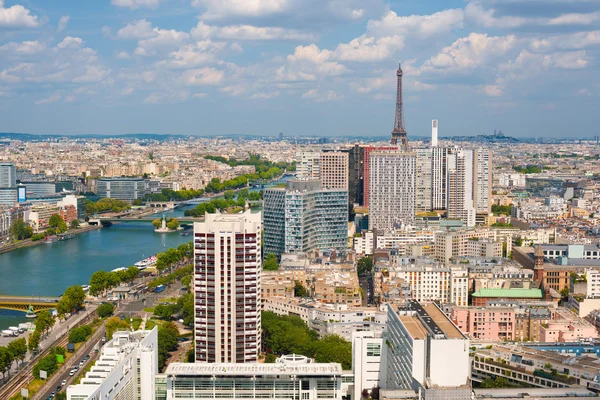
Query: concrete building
x=333 y=287
x=8 y=175
x=227 y=287
x=304 y=216
x=489 y=323
x=7 y=217
x=391 y=189
x=125 y=369
x=481 y=297
x=423 y=181
x=290 y=377
x=426 y=351
x=8 y=197
x=334 y=169
x=460 y=183
x=308 y=164
x=454 y=244
x=566 y=327
x=482 y=180
x=356 y=174
x=369 y=362
x=126 y=189
x=367 y=168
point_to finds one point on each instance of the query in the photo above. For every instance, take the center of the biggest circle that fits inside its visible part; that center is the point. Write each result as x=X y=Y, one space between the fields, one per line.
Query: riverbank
x=29 y=243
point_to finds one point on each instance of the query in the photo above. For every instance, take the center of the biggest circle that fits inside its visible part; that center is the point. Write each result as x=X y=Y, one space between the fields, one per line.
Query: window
x=373 y=350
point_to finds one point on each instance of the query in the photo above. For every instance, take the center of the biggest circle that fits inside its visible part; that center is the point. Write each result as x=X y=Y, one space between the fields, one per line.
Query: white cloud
x=575 y=19
x=17 y=16
x=584 y=92
x=316 y=95
x=578 y=40
x=217 y=9
x=92 y=73
x=70 y=99
x=188 y=56
x=127 y=91
x=24 y=48
x=141 y=29
x=51 y=99
x=264 y=95
x=62 y=23
x=493 y=90
x=199 y=95
x=135 y=4
x=70 y=42
x=420 y=26
x=367 y=48
x=164 y=40
x=166 y=97
x=248 y=32
x=203 y=76
x=123 y=55
x=310 y=53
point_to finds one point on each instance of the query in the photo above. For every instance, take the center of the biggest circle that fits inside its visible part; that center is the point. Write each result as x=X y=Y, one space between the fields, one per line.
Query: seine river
x=48 y=269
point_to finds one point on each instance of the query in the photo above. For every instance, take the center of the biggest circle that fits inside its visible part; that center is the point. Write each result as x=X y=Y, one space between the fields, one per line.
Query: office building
x=356 y=174
x=307 y=164
x=334 y=169
x=126 y=189
x=125 y=369
x=367 y=168
x=425 y=349
x=227 y=291
x=8 y=196
x=43 y=188
x=8 y=175
x=305 y=216
x=460 y=183
x=391 y=189
x=290 y=377
x=368 y=362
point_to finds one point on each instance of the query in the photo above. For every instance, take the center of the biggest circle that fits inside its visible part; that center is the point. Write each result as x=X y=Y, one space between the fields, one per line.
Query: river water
x=48 y=269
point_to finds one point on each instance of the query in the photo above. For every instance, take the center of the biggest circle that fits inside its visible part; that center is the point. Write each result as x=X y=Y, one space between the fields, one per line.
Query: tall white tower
x=227 y=293
x=434 y=133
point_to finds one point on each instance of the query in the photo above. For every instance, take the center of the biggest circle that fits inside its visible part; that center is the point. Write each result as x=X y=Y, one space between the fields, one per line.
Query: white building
x=368 y=362
x=512 y=179
x=433 y=281
x=392 y=177
x=460 y=181
x=423 y=179
x=482 y=180
x=364 y=243
x=125 y=369
x=308 y=164
x=425 y=350
x=290 y=377
x=227 y=290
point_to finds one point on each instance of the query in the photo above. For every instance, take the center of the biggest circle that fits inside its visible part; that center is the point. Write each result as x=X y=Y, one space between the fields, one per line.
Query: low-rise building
x=337 y=288
x=492 y=323
x=566 y=327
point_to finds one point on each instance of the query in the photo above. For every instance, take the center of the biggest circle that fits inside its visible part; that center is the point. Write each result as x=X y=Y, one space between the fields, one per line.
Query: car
x=72 y=372
x=53 y=394
x=76 y=368
x=81 y=363
x=64 y=382
x=58 y=388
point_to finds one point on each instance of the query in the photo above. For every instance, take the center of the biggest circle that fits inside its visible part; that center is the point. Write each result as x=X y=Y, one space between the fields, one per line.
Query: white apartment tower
x=460 y=183
x=334 y=169
x=392 y=179
x=438 y=178
x=434 y=133
x=423 y=190
x=308 y=164
x=227 y=290
x=482 y=176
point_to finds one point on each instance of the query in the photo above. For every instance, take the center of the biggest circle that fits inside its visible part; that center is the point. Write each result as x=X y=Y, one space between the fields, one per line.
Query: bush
x=48 y=364
x=106 y=310
x=37 y=236
x=80 y=334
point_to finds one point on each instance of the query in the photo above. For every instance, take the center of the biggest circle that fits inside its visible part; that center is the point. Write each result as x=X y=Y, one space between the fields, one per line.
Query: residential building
x=356 y=174
x=368 y=362
x=8 y=197
x=308 y=164
x=367 y=168
x=126 y=189
x=333 y=287
x=392 y=190
x=7 y=217
x=423 y=181
x=460 y=187
x=481 y=297
x=227 y=287
x=290 y=377
x=125 y=369
x=365 y=243
x=489 y=323
x=482 y=180
x=280 y=283
x=439 y=171
x=334 y=169
x=304 y=216
x=566 y=327
x=425 y=350
x=454 y=244
x=8 y=175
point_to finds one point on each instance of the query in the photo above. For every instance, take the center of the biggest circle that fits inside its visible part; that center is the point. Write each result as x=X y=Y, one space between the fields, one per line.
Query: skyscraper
x=227 y=291
x=303 y=217
x=434 y=133
x=307 y=164
x=423 y=182
x=460 y=184
x=366 y=167
x=8 y=175
x=356 y=174
x=399 y=132
x=334 y=169
x=392 y=177
x=482 y=180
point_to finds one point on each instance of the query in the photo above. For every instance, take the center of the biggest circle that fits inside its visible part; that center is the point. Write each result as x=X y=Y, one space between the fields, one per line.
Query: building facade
x=334 y=169
x=308 y=164
x=304 y=217
x=126 y=189
x=8 y=175
x=227 y=287
x=391 y=189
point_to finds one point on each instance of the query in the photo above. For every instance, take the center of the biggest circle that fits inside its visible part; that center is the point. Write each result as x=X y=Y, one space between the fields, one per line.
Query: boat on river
x=146 y=262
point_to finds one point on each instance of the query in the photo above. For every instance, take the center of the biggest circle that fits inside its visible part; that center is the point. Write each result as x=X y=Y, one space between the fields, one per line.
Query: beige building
x=337 y=287
x=467 y=243
x=281 y=283
x=334 y=169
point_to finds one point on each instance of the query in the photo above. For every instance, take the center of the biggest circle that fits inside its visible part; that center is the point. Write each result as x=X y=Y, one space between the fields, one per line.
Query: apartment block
x=334 y=169
x=227 y=287
x=308 y=164
x=453 y=244
x=489 y=323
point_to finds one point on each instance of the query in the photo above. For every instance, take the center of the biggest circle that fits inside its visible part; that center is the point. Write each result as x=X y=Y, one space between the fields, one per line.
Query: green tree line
x=101 y=281
x=177 y=195
x=104 y=205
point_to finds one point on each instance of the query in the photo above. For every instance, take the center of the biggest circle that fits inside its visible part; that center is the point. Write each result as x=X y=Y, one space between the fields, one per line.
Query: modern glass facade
x=305 y=217
x=8 y=175
x=127 y=189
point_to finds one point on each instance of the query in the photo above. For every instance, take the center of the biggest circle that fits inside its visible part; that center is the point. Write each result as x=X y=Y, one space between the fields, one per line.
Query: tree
x=34 y=340
x=498 y=382
x=165 y=311
x=186 y=306
x=18 y=349
x=364 y=266
x=300 y=290
x=71 y=301
x=105 y=310
x=75 y=224
x=157 y=223
x=5 y=360
x=99 y=282
x=115 y=324
x=55 y=220
x=229 y=194
x=44 y=321
x=48 y=364
x=167 y=341
x=80 y=334
x=333 y=348
x=564 y=293
x=173 y=224
x=271 y=263
x=19 y=230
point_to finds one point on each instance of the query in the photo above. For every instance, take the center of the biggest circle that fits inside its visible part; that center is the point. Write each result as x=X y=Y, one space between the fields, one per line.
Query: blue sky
x=302 y=67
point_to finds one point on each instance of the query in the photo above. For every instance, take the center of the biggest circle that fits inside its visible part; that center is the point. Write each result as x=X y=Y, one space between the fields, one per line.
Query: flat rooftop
x=251 y=369
x=423 y=319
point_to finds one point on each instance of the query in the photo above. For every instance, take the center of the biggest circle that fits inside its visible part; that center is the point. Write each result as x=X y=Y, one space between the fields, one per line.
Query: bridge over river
x=23 y=303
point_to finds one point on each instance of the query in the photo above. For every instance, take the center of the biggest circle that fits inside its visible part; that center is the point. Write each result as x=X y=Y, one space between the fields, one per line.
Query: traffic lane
x=88 y=349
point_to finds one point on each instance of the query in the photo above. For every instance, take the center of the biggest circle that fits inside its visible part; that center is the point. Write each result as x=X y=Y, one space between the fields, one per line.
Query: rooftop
x=423 y=319
x=510 y=293
x=251 y=369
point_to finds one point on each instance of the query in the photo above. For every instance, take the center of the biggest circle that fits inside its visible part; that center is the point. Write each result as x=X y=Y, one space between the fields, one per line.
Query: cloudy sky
x=302 y=67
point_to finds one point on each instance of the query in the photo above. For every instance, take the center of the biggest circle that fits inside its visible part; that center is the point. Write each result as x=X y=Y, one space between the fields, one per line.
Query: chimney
x=434 y=133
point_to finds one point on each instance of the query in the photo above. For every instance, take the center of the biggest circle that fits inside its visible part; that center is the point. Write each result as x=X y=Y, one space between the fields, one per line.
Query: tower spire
x=399 y=132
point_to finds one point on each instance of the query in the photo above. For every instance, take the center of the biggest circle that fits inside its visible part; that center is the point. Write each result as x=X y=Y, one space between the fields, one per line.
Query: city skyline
x=299 y=67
